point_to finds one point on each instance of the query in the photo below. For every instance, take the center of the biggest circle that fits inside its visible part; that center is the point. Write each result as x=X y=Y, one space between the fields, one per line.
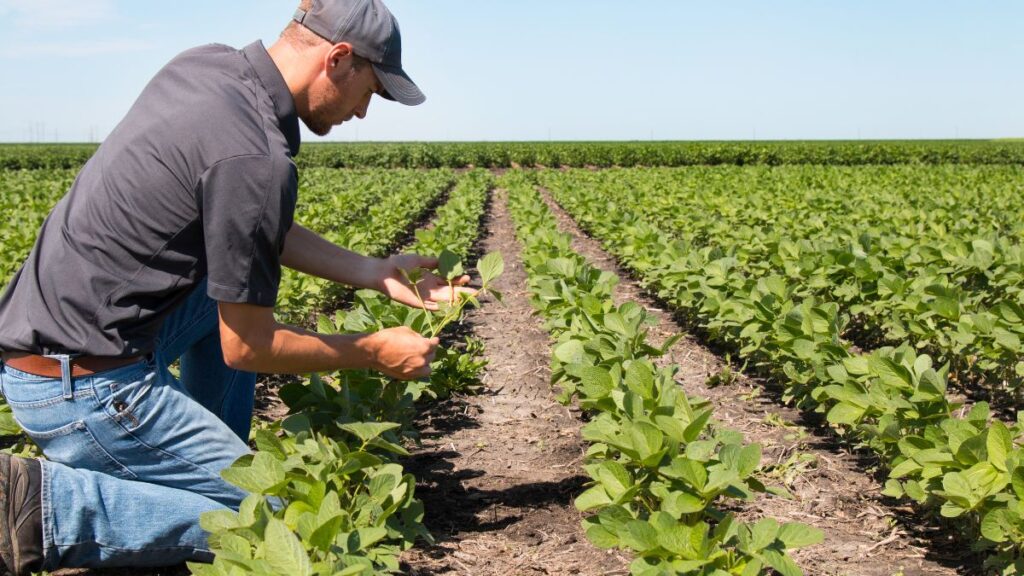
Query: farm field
x=713 y=359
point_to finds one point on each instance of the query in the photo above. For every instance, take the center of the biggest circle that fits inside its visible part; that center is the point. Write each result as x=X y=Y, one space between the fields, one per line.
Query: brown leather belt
x=50 y=367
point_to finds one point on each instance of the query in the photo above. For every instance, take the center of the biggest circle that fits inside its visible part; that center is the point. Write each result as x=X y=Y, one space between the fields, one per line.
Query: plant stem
x=423 y=304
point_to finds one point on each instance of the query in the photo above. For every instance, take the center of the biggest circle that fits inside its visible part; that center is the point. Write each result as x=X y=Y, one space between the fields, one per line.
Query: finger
x=431 y=306
x=470 y=291
x=435 y=342
x=422 y=372
x=462 y=281
x=428 y=262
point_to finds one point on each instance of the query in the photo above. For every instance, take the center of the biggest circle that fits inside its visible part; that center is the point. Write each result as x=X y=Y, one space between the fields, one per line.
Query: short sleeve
x=247 y=206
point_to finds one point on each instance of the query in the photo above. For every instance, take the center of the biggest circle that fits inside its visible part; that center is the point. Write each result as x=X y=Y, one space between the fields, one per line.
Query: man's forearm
x=252 y=340
x=292 y=350
x=309 y=253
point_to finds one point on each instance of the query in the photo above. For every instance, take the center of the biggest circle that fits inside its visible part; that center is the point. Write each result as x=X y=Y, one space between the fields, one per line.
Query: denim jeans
x=134 y=454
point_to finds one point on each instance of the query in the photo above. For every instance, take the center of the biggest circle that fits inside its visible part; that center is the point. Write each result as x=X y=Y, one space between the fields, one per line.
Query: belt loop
x=65 y=374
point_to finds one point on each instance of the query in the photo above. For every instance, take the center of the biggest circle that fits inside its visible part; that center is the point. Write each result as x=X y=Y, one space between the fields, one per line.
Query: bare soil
x=498 y=471
x=834 y=488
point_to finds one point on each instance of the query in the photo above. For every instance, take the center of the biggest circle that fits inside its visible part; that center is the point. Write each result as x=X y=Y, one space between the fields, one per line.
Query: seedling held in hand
x=450 y=268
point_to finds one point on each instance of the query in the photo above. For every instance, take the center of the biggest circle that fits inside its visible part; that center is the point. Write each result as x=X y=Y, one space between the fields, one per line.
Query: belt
x=50 y=367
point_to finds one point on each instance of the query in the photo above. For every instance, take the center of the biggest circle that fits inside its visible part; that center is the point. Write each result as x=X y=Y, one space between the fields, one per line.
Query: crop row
x=583 y=154
x=327 y=497
x=661 y=470
x=948 y=460
x=926 y=254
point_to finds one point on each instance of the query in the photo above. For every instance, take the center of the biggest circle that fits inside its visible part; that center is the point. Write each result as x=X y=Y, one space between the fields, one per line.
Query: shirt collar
x=284 y=105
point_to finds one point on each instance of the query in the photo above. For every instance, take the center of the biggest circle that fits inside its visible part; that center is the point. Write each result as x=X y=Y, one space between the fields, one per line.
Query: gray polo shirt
x=197 y=180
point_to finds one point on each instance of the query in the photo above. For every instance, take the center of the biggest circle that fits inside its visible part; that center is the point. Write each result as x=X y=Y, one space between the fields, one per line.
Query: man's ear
x=337 y=53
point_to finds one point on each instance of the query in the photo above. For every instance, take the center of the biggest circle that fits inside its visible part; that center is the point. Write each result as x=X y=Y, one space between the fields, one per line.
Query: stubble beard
x=320 y=98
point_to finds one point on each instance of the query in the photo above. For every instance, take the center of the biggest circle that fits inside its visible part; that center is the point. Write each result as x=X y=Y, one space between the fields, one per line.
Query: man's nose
x=363 y=109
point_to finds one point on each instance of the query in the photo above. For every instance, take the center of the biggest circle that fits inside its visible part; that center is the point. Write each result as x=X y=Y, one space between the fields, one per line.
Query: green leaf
x=893 y=488
x=449 y=265
x=749 y=460
x=763 y=533
x=684 y=503
x=845 y=414
x=647 y=439
x=570 y=352
x=782 y=563
x=602 y=537
x=999 y=445
x=614 y=477
x=595 y=382
x=284 y=553
x=490 y=267
x=797 y=535
x=218 y=520
x=994 y=524
x=267 y=441
x=640 y=379
x=367 y=431
x=640 y=536
x=8 y=425
x=593 y=497
x=264 y=475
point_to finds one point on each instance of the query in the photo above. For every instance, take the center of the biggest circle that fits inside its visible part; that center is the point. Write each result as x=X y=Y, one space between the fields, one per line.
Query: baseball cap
x=373 y=32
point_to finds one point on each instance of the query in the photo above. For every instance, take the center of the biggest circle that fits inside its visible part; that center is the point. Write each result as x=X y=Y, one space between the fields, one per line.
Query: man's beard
x=319 y=121
x=318 y=126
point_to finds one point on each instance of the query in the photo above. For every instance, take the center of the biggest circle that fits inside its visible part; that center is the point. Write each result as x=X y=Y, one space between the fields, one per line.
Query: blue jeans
x=134 y=454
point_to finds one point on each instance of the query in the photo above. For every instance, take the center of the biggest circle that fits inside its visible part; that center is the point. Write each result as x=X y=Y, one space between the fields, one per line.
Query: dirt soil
x=834 y=489
x=498 y=471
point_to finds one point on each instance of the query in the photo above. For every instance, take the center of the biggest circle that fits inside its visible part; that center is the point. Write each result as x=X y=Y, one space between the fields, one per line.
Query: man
x=169 y=246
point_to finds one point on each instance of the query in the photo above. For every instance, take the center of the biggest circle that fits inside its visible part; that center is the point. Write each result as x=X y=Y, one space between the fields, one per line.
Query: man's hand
x=432 y=289
x=401 y=353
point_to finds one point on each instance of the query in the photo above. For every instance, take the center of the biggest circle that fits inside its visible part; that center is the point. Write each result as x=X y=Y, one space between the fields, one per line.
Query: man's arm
x=309 y=253
x=252 y=340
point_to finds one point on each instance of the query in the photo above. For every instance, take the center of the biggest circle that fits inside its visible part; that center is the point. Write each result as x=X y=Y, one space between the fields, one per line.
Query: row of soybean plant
x=367 y=211
x=961 y=464
x=608 y=154
x=943 y=268
x=662 y=471
x=327 y=495
x=585 y=154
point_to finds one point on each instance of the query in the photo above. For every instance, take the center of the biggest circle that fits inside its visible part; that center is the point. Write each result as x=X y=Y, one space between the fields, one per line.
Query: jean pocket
x=75 y=445
x=123 y=400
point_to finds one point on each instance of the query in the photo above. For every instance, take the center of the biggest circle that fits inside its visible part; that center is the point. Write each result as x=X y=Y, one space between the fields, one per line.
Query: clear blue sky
x=568 y=69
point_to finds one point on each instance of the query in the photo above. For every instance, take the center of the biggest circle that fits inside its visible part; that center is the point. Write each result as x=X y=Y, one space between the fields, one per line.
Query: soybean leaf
x=284 y=552
x=490 y=267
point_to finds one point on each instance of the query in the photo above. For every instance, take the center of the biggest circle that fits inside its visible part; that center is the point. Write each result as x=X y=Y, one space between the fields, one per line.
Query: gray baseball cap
x=373 y=32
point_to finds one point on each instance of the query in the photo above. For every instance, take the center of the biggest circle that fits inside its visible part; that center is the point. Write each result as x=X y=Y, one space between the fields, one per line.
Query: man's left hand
x=432 y=288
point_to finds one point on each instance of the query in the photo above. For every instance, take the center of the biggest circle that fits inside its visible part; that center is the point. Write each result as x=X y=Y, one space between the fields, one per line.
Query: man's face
x=341 y=92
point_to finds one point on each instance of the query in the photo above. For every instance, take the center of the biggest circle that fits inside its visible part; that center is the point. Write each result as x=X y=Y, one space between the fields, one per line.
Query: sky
x=567 y=69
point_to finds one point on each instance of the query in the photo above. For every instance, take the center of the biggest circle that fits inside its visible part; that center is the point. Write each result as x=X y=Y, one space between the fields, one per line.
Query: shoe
x=21 y=515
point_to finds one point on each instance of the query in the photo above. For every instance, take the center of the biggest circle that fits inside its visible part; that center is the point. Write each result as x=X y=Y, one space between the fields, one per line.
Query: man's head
x=336 y=54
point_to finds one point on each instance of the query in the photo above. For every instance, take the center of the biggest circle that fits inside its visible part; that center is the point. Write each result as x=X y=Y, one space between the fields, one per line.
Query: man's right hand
x=401 y=353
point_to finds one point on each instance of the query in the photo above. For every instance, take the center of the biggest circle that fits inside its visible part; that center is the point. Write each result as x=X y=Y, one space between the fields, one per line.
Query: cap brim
x=398 y=86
